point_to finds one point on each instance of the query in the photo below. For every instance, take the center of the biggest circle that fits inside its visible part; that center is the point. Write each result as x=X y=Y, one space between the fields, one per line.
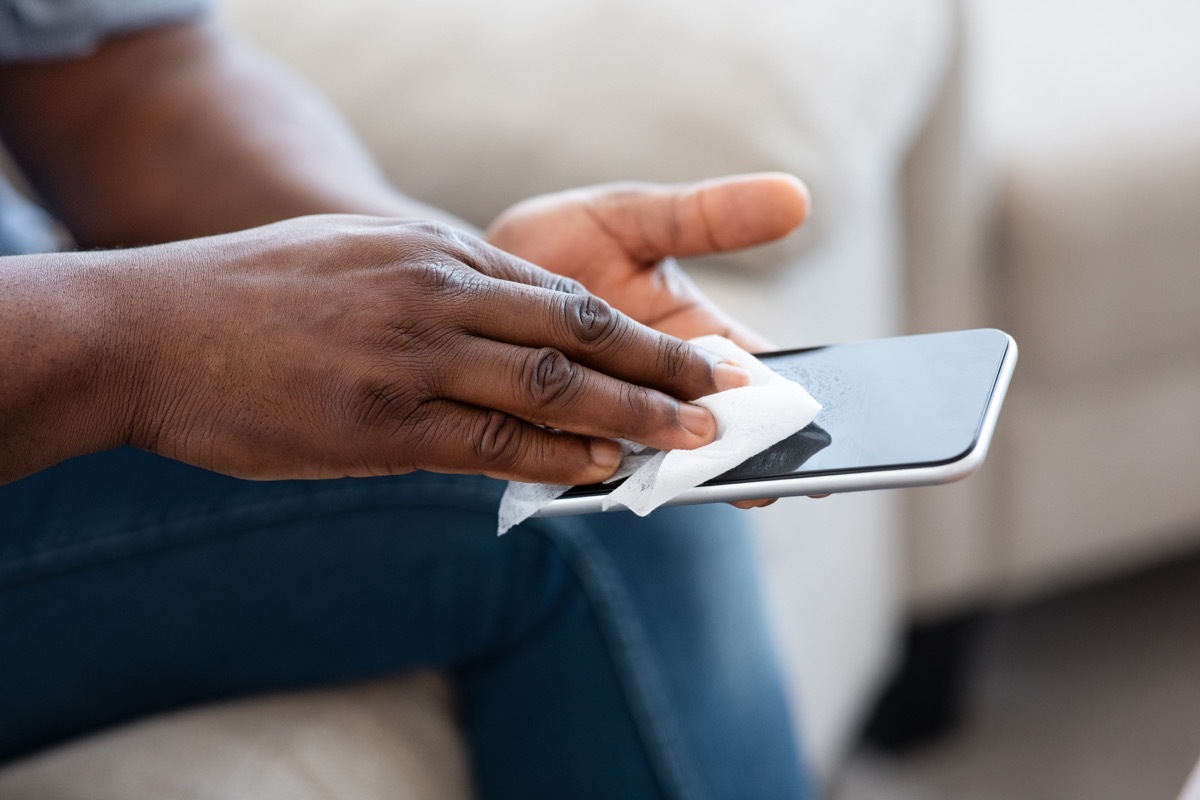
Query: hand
x=620 y=241
x=333 y=346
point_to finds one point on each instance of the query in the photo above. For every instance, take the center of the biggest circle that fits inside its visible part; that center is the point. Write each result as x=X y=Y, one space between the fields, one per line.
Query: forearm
x=183 y=132
x=62 y=391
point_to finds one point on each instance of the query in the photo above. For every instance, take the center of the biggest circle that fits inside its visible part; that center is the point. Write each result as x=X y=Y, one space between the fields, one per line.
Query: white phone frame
x=834 y=483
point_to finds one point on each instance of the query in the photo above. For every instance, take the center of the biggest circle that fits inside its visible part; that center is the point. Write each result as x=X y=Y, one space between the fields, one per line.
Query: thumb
x=652 y=221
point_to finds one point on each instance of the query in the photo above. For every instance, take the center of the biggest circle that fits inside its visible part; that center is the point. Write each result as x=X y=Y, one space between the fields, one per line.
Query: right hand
x=339 y=346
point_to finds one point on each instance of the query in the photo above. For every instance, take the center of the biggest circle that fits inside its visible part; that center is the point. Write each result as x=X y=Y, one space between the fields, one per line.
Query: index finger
x=591 y=332
x=527 y=305
x=500 y=264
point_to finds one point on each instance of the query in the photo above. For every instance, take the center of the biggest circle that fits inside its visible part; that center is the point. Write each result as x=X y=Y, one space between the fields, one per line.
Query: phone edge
x=841 y=483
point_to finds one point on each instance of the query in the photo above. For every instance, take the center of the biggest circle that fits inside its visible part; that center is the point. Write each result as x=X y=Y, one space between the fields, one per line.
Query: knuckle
x=561 y=283
x=425 y=432
x=434 y=258
x=498 y=440
x=675 y=356
x=642 y=407
x=590 y=319
x=379 y=404
x=550 y=378
x=427 y=227
x=437 y=273
x=433 y=235
x=404 y=335
x=442 y=238
x=420 y=344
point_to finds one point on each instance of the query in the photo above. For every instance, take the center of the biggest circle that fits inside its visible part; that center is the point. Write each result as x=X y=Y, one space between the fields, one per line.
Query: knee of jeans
x=690 y=540
x=529 y=587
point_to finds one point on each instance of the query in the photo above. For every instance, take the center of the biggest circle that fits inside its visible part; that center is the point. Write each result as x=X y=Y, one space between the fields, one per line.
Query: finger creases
x=545 y=387
x=590 y=332
x=652 y=222
x=503 y=266
x=467 y=439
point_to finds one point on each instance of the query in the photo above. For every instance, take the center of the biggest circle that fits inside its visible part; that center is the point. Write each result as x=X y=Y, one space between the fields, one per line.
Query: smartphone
x=897 y=412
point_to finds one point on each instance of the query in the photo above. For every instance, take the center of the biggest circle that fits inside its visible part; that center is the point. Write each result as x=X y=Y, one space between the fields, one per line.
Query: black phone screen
x=886 y=404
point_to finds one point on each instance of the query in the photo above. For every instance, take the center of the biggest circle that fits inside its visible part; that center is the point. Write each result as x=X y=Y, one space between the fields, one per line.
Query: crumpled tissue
x=749 y=420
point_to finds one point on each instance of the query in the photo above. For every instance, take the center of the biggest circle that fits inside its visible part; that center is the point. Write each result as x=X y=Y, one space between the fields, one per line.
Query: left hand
x=620 y=241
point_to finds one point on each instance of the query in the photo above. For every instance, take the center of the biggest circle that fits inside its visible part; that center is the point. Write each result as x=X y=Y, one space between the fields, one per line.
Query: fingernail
x=730 y=376
x=697 y=420
x=606 y=454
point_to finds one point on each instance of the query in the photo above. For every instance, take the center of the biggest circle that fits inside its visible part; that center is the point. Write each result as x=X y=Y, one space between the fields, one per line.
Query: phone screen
x=886 y=404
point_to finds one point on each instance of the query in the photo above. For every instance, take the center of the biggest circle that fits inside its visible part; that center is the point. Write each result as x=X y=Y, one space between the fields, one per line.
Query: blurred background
x=1091 y=694
x=1063 y=662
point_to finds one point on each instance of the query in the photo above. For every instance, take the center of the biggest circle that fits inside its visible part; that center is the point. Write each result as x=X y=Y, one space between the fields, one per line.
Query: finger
x=496 y=263
x=545 y=387
x=702 y=317
x=753 y=503
x=590 y=332
x=706 y=318
x=695 y=314
x=464 y=439
x=653 y=222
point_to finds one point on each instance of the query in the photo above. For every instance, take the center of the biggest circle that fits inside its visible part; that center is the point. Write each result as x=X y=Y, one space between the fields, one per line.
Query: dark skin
x=321 y=346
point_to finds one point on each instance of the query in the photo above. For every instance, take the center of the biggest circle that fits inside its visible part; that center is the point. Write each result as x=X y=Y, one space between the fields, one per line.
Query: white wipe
x=749 y=420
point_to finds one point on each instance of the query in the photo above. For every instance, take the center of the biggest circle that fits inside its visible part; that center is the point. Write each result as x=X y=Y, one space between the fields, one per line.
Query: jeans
x=592 y=657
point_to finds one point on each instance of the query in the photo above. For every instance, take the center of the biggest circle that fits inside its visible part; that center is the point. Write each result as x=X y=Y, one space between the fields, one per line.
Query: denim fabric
x=24 y=227
x=602 y=656
x=38 y=29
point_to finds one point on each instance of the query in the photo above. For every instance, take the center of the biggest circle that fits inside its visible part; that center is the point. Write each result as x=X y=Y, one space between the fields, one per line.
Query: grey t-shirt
x=46 y=29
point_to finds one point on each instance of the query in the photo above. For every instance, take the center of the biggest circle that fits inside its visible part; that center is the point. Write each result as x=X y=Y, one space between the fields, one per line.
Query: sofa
x=1076 y=197
x=968 y=168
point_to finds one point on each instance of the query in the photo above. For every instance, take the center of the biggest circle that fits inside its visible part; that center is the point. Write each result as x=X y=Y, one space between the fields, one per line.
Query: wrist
x=67 y=389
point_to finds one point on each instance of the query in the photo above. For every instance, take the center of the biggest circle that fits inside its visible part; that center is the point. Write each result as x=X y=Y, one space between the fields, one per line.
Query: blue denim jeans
x=593 y=657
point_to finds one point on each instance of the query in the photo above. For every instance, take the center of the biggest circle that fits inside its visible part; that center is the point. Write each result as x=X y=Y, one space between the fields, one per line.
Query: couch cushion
x=1101 y=260
x=391 y=739
x=1092 y=122
x=473 y=105
x=1105 y=478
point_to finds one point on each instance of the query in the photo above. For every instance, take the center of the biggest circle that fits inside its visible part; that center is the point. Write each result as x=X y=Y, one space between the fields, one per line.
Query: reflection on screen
x=885 y=403
x=783 y=457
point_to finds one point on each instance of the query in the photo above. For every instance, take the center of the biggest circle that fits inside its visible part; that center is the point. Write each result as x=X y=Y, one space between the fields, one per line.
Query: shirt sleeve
x=47 y=29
